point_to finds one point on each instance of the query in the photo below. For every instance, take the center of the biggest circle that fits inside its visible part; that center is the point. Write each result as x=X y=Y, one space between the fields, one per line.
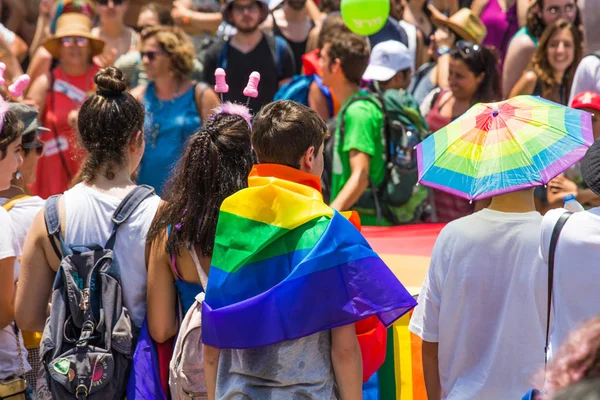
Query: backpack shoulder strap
x=222 y=57
x=52 y=219
x=11 y=203
x=278 y=47
x=562 y=220
x=126 y=208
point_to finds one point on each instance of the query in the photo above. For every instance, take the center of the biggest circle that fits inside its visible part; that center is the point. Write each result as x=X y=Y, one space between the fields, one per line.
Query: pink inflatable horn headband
x=15 y=90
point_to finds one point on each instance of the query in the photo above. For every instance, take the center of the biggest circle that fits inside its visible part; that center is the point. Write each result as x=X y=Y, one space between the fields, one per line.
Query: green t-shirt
x=364 y=125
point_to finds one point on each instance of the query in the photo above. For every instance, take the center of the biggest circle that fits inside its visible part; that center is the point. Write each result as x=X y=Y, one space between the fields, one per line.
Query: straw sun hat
x=464 y=23
x=73 y=24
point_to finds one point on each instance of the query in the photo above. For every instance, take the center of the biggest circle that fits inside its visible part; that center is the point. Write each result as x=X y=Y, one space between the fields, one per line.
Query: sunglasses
x=467 y=48
x=150 y=55
x=69 y=41
x=37 y=146
x=139 y=29
x=104 y=3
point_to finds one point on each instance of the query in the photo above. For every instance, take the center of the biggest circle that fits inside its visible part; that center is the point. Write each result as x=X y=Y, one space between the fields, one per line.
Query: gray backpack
x=89 y=338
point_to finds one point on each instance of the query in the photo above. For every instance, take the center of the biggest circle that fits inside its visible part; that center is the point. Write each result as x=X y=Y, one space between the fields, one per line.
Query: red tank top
x=60 y=164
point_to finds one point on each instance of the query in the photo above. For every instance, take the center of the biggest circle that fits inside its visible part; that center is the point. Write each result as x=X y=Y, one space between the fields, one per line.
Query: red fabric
x=164 y=352
x=372 y=338
x=310 y=62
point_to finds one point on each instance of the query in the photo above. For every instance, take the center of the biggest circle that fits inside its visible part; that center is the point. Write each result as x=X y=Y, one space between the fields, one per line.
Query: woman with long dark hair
x=523 y=45
x=553 y=66
x=215 y=164
x=473 y=78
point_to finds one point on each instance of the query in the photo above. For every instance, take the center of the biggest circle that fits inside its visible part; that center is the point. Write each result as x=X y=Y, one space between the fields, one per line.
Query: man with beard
x=249 y=50
x=291 y=22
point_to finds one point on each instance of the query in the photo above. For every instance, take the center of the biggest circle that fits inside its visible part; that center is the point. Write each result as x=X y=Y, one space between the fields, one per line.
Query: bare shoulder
x=138 y=92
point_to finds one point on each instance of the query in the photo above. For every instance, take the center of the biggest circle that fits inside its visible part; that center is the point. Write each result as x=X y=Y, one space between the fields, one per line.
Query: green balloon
x=365 y=17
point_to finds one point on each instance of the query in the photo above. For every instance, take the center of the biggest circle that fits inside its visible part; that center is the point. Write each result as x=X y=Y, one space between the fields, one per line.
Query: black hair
x=107 y=123
x=11 y=130
x=215 y=165
x=480 y=59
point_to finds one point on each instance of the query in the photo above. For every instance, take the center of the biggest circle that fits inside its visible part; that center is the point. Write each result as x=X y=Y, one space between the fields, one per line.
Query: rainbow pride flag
x=285 y=266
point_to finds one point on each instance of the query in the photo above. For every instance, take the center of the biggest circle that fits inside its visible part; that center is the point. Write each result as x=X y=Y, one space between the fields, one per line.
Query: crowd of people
x=125 y=127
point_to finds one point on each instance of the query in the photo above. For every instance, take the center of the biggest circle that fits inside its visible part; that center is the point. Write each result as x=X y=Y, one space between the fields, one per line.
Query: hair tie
x=108 y=93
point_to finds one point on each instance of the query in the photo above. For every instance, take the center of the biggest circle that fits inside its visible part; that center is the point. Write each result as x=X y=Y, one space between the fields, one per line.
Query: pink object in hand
x=17 y=88
x=252 y=87
x=2 y=69
x=220 y=83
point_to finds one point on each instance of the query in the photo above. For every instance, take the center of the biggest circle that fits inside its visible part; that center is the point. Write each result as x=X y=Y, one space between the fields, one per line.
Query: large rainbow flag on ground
x=285 y=266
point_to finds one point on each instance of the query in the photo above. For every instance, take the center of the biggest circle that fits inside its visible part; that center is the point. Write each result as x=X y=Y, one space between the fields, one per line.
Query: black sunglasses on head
x=37 y=146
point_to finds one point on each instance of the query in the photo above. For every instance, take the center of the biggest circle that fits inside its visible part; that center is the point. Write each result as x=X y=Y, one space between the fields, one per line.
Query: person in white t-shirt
x=110 y=127
x=13 y=356
x=481 y=311
x=587 y=76
x=575 y=295
x=23 y=208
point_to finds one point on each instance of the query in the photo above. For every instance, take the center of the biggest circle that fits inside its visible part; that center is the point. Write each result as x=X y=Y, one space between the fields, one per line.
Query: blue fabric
x=529 y=395
x=169 y=124
x=187 y=293
x=297 y=90
x=144 y=379
x=370 y=388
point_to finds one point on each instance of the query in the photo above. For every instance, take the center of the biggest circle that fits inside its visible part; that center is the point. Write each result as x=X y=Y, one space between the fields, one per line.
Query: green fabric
x=387 y=372
x=525 y=31
x=364 y=126
x=245 y=250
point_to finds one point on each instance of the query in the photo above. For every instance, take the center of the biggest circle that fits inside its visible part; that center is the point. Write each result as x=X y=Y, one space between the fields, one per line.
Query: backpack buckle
x=81 y=392
x=85 y=299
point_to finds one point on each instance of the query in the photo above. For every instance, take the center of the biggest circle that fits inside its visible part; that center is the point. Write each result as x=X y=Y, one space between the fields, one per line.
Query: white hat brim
x=378 y=73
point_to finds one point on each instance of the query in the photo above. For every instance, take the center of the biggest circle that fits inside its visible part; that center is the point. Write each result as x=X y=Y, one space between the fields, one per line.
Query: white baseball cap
x=387 y=58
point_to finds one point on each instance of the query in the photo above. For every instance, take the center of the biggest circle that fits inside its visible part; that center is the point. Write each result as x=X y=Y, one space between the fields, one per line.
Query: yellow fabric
x=265 y=196
x=11 y=203
x=403 y=359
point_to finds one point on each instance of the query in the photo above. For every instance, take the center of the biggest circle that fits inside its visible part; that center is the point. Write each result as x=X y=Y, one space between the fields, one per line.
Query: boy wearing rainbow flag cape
x=290 y=276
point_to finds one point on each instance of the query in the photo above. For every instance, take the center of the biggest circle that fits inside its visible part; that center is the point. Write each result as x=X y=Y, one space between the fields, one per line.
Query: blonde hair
x=176 y=44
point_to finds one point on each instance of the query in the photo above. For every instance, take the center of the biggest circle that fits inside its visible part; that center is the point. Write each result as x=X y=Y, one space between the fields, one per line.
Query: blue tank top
x=168 y=126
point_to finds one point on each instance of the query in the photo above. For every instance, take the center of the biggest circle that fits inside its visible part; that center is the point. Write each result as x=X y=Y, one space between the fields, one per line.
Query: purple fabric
x=501 y=27
x=144 y=379
x=300 y=307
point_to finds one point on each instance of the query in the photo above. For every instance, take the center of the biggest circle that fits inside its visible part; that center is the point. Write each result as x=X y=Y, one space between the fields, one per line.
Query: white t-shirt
x=88 y=221
x=9 y=354
x=484 y=302
x=587 y=76
x=575 y=295
x=22 y=215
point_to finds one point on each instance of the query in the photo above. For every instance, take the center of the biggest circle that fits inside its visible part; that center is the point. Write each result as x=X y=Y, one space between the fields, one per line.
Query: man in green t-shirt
x=359 y=161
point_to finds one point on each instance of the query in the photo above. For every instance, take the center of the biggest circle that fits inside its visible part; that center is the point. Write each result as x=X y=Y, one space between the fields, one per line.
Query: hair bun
x=110 y=81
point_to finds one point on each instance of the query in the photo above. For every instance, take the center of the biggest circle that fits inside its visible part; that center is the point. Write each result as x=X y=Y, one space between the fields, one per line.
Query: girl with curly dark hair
x=553 y=66
x=541 y=14
x=215 y=164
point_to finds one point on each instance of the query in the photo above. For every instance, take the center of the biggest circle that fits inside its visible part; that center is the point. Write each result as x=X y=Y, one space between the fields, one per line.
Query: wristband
x=443 y=50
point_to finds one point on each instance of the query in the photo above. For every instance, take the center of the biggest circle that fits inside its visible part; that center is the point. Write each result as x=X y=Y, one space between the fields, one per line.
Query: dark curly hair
x=107 y=122
x=480 y=59
x=541 y=65
x=11 y=130
x=535 y=25
x=215 y=165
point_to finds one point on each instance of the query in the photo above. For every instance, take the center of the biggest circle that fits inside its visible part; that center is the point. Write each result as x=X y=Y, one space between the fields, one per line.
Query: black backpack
x=401 y=174
x=89 y=338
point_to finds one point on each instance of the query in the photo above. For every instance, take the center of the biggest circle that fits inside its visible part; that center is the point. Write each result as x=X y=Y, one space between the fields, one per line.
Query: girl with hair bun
x=216 y=163
x=110 y=129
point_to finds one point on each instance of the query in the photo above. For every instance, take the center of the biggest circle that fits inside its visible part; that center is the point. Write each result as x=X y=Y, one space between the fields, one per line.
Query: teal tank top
x=168 y=126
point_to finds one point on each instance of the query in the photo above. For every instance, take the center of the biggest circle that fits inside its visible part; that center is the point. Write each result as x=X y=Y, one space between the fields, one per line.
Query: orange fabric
x=287 y=173
x=51 y=177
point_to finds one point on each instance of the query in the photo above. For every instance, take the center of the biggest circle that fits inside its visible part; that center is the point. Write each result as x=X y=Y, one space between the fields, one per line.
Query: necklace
x=161 y=105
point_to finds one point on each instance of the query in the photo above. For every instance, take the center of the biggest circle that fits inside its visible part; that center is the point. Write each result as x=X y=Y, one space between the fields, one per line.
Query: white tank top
x=411 y=33
x=88 y=216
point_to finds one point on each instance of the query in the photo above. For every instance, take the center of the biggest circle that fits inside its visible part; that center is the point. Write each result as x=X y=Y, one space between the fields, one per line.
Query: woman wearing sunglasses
x=119 y=39
x=473 y=78
x=176 y=105
x=58 y=95
x=23 y=208
x=550 y=74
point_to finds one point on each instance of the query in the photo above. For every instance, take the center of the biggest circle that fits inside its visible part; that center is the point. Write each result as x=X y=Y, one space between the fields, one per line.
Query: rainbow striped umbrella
x=502 y=147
